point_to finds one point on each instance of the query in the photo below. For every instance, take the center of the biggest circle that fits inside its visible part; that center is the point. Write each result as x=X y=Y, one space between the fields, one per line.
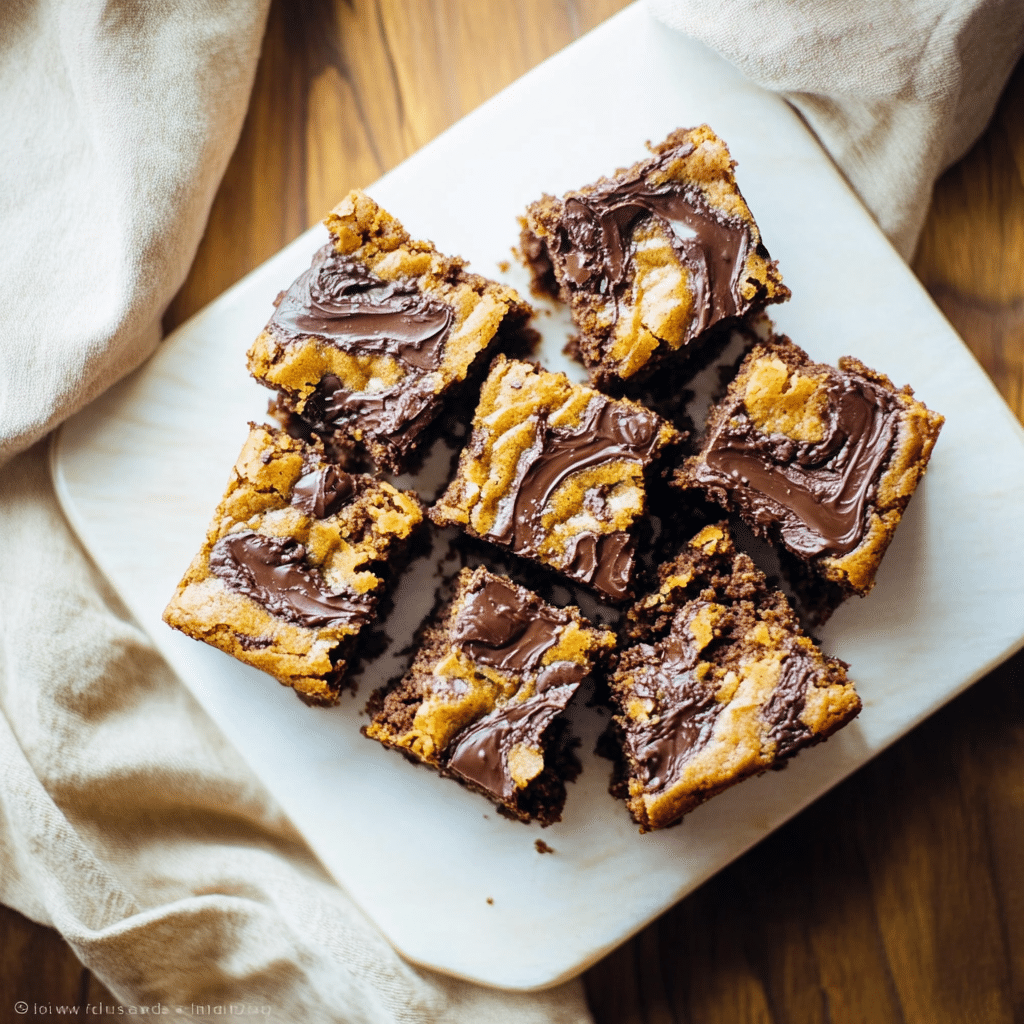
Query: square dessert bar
x=556 y=472
x=482 y=702
x=295 y=562
x=820 y=460
x=651 y=259
x=719 y=683
x=372 y=339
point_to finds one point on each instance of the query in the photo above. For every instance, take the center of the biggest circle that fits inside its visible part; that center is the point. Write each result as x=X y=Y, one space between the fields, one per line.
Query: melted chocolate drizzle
x=815 y=493
x=783 y=710
x=687 y=708
x=501 y=627
x=480 y=753
x=340 y=301
x=273 y=572
x=509 y=628
x=608 y=432
x=594 y=249
x=322 y=489
x=605 y=561
x=395 y=417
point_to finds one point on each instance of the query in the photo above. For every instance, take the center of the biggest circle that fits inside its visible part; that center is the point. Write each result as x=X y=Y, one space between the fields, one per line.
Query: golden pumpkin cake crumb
x=373 y=339
x=652 y=260
x=555 y=471
x=296 y=560
x=716 y=682
x=822 y=461
x=483 y=700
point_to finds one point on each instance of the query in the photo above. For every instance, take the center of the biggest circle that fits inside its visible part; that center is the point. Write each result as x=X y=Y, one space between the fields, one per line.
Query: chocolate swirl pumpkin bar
x=482 y=702
x=296 y=560
x=555 y=472
x=820 y=460
x=653 y=258
x=371 y=340
x=717 y=682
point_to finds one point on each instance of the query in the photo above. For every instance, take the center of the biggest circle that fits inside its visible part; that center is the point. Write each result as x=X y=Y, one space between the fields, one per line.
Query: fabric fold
x=121 y=119
x=135 y=829
x=895 y=93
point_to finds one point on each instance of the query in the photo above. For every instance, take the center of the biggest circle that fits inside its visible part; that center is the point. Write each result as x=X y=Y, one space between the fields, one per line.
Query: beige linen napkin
x=895 y=91
x=130 y=824
x=126 y=820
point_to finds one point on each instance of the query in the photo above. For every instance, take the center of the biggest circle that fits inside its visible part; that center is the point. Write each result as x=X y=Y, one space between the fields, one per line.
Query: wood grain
x=38 y=968
x=971 y=256
x=899 y=896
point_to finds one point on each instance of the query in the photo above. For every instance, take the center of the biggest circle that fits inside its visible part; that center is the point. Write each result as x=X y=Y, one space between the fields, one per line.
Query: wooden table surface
x=898 y=896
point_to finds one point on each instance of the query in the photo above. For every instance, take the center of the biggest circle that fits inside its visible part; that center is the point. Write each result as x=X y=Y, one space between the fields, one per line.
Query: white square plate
x=140 y=471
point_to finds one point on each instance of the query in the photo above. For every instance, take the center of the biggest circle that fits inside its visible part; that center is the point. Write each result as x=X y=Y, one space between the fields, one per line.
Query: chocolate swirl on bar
x=785 y=706
x=507 y=627
x=480 y=754
x=396 y=417
x=322 y=489
x=503 y=626
x=342 y=302
x=605 y=561
x=273 y=572
x=608 y=432
x=594 y=248
x=686 y=706
x=816 y=494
